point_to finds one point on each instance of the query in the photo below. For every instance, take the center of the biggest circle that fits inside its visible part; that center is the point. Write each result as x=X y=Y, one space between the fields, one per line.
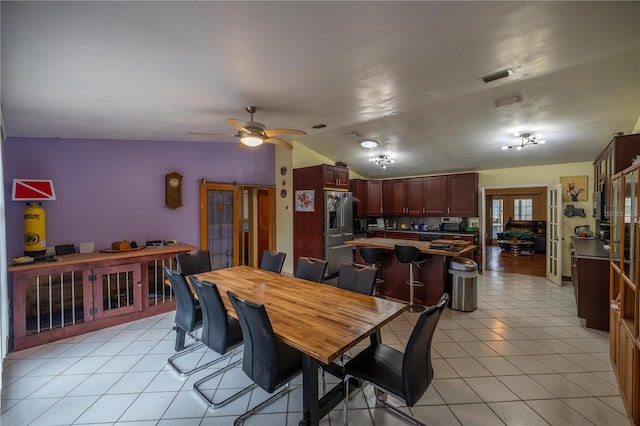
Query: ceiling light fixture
x=497 y=76
x=526 y=139
x=251 y=139
x=368 y=143
x=382 y=160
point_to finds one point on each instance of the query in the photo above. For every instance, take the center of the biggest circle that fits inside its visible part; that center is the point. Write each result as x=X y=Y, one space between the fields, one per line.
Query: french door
x=237 y=223
x=554 y=237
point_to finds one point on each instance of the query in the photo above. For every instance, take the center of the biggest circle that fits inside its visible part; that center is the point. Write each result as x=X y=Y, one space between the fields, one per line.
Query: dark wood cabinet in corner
x=358 y=188
x=335 y=177
x=617 y=156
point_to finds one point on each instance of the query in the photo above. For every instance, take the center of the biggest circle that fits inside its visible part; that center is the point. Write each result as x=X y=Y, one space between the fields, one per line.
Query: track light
x=526 y=139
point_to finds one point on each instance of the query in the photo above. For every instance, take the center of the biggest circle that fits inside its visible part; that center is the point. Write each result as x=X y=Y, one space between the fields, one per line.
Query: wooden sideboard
x=79 y=293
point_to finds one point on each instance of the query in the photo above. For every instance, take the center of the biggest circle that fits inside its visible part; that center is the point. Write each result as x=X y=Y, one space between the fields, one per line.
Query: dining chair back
x=358 y=278
x=221 y=333
x=272 y=261
x=188 y=313
x=269 y=362
x=195 y=263
x=378 y=365
x=311 y=269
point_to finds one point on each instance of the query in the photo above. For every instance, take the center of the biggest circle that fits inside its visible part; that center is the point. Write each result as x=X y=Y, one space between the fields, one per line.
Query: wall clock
x=173 y=190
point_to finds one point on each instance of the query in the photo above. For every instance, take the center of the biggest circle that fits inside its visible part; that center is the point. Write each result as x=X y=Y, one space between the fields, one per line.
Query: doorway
x=517 y=203
x=237 y=223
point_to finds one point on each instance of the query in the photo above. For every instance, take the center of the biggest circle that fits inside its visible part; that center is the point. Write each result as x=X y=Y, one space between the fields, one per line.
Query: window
x=497 y=217
x=523 y=209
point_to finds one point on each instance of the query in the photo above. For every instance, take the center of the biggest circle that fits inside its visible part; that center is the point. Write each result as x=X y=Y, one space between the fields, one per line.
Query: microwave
x=452 y=226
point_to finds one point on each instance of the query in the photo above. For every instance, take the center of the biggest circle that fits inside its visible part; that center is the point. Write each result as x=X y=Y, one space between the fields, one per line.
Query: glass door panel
x=617 y=221
x=630 y=221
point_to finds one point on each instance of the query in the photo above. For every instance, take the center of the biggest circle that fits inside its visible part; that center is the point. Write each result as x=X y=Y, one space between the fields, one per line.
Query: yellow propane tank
x=35 y=240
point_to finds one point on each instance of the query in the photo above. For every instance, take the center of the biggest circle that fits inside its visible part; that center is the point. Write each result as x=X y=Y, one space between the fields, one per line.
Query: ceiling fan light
x=368 y=143
x=251 y=140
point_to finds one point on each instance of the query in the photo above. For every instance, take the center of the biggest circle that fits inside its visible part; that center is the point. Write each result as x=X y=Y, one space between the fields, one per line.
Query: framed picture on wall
x=305 y=201
x=574 y=188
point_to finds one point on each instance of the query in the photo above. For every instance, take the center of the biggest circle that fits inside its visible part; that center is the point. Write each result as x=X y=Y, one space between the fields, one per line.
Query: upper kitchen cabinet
x=616 y=157
x=335 y=177
x=359 y=189
x=402 y=197
x=393 y=197
x=451 y=195
x=374 y=198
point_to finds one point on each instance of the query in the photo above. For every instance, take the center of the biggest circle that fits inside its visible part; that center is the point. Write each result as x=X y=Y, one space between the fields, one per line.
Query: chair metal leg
x=394 y=409
x=193 y=348
x=285 y=390
x=214 y=405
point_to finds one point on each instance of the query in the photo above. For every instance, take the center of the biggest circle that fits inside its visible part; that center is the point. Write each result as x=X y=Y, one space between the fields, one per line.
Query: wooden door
x=220 y=230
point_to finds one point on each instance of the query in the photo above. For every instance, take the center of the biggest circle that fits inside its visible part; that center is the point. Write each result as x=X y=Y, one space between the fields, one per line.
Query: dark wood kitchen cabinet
x=616 y=157
x=335 y=176
x=414 y=201
x=394 y=199
x=374 y=198
x=358 y=188
x=451 y=195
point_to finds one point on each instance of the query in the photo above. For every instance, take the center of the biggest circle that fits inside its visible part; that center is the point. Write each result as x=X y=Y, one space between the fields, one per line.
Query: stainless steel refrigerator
x=338 y=228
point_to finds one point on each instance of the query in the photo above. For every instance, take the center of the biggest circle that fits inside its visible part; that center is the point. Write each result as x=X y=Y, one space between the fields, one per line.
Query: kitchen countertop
x=589 y=248
x=423 y=246
x=417 y=231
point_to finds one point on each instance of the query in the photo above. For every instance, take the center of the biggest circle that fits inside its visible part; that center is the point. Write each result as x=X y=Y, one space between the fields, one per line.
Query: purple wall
x=114 y=190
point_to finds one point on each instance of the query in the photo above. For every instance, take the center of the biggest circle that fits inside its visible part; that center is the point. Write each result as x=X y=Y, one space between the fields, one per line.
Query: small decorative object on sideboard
x=636 y=160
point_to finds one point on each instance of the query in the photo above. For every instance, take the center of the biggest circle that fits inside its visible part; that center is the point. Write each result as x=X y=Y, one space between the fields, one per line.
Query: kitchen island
x=433 y=272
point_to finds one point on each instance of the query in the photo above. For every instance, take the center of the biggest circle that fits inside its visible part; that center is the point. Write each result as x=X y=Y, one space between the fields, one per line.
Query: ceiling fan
x=252 y=133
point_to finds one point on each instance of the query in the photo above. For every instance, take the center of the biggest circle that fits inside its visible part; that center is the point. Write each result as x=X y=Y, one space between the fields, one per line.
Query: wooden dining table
x=321 y=321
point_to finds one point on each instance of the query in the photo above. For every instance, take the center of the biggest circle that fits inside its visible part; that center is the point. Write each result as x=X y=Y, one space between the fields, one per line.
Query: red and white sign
x=32 y=190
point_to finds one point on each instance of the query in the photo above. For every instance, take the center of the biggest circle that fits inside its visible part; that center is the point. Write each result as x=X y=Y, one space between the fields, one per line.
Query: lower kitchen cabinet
x=86 y=292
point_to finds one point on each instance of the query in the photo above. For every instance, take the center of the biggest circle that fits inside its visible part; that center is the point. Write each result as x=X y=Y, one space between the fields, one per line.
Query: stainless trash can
x=464 y=284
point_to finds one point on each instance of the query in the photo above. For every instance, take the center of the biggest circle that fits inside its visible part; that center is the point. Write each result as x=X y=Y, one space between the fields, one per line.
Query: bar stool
x=412 y=256
x=373 y=256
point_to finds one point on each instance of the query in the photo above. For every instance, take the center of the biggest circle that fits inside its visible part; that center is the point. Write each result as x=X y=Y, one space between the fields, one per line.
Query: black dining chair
x=358 y=278
x=412 y=256
x=311 y=269
x=195 y=263
x=220 y=333
x=188 y=318
x=404 y=375
x=267 y=361
x=272 y=261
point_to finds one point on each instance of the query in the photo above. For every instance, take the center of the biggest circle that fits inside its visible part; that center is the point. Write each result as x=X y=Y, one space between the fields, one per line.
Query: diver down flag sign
x=32 y=190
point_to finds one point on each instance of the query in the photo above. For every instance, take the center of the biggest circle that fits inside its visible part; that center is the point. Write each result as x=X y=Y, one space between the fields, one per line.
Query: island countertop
x=423 y=246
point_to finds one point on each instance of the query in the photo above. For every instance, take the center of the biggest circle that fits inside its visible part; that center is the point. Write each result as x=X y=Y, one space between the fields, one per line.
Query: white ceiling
x=405 y=73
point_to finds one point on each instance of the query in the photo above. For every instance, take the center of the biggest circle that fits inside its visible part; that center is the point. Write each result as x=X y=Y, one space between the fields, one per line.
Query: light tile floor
x=522 y=358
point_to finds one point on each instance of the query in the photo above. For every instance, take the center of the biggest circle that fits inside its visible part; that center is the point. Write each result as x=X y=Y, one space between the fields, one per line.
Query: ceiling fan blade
x=280 y=142
x=274 y=132
x=240 y=146
x=236 y=125
x=210 y=134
